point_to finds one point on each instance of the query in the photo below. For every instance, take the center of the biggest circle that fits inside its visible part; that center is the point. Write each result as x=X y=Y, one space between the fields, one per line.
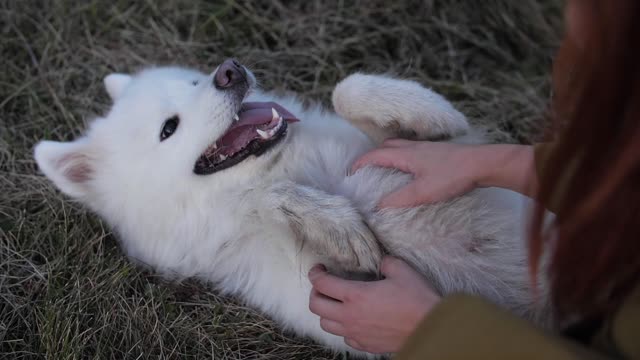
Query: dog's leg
x=328 y=224
x=384 y=107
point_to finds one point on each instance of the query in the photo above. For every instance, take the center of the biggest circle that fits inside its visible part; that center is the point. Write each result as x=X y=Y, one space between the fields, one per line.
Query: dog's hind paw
x=384 y=107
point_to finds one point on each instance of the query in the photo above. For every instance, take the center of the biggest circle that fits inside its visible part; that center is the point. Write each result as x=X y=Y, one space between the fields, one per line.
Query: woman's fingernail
x=316 y=269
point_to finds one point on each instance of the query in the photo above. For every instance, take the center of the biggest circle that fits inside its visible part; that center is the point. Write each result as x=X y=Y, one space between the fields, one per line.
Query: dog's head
x=170 y=130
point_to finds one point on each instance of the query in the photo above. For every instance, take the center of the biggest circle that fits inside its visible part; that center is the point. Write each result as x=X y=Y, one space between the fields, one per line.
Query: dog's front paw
x=384 y=107
x=355 y=251
x=328 y=224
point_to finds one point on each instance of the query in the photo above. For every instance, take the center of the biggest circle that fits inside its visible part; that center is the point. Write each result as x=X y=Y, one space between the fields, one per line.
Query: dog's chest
x=320 y=155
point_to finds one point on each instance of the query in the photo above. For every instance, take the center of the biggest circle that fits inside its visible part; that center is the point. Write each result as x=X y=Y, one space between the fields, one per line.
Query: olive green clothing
x=466 y=327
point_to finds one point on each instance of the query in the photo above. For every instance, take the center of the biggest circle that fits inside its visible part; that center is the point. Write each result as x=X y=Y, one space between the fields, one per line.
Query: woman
x=589 y=176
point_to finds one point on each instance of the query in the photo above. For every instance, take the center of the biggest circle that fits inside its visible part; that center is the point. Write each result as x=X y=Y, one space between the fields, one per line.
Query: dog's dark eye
x=170 y=126
x=195 y=82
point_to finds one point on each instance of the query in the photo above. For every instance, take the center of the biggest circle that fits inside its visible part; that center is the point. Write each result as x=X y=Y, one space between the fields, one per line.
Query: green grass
x=66 y=290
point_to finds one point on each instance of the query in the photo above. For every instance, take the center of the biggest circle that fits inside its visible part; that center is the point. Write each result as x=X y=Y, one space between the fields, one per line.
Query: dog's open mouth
x=257 y=127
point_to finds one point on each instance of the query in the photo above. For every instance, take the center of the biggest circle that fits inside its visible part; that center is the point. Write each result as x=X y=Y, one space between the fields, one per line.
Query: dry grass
x=66 y=291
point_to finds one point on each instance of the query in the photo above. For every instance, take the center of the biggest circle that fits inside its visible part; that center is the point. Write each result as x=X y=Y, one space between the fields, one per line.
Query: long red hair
x=594 y=242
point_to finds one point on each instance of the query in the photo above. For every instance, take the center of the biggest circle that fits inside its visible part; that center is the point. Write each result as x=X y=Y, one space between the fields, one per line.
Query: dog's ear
x=116 y=83
x=70 y=165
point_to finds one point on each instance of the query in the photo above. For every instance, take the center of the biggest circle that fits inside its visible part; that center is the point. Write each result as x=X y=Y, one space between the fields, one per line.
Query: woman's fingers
x=333 y=327
x=324 y=306
x=354 y=344
x=329 y=285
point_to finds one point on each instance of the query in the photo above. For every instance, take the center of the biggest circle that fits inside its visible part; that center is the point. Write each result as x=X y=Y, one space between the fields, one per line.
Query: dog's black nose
x=229 y=73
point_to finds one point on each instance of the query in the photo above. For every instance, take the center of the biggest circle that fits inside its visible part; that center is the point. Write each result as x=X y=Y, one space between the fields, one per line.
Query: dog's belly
x=474 y=244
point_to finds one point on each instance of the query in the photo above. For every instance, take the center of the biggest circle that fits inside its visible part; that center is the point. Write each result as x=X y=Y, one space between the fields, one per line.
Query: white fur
x=222 y=227
x=116 y=83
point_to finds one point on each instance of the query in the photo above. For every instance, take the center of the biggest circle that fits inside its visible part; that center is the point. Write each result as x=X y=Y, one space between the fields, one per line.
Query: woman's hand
x=375 y=316
x=443 y=171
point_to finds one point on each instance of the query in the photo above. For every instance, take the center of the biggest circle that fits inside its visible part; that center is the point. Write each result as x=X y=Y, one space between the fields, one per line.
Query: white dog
x=203 y=176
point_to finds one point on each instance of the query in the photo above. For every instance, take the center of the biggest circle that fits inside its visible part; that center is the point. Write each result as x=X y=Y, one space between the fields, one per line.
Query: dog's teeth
x=273 y=131
x=263 y=134
x=274 y=114
x=223 y=157
x=236 y=117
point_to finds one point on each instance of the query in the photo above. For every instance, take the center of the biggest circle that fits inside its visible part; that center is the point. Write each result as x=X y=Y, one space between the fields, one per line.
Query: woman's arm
x=446 y=170
x=507 y=166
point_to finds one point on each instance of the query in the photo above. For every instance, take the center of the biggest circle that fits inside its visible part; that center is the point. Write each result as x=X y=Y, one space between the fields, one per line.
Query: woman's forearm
x=506 y=166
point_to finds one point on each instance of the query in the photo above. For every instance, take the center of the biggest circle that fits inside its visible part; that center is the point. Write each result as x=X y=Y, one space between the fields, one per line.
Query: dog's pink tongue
x=252 y=116
x=256 y=113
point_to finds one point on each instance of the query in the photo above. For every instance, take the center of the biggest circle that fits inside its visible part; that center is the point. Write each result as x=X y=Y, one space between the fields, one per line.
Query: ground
x=66 y=290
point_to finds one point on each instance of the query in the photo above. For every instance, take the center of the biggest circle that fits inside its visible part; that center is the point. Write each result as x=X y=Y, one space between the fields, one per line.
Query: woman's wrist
x=503 y=165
